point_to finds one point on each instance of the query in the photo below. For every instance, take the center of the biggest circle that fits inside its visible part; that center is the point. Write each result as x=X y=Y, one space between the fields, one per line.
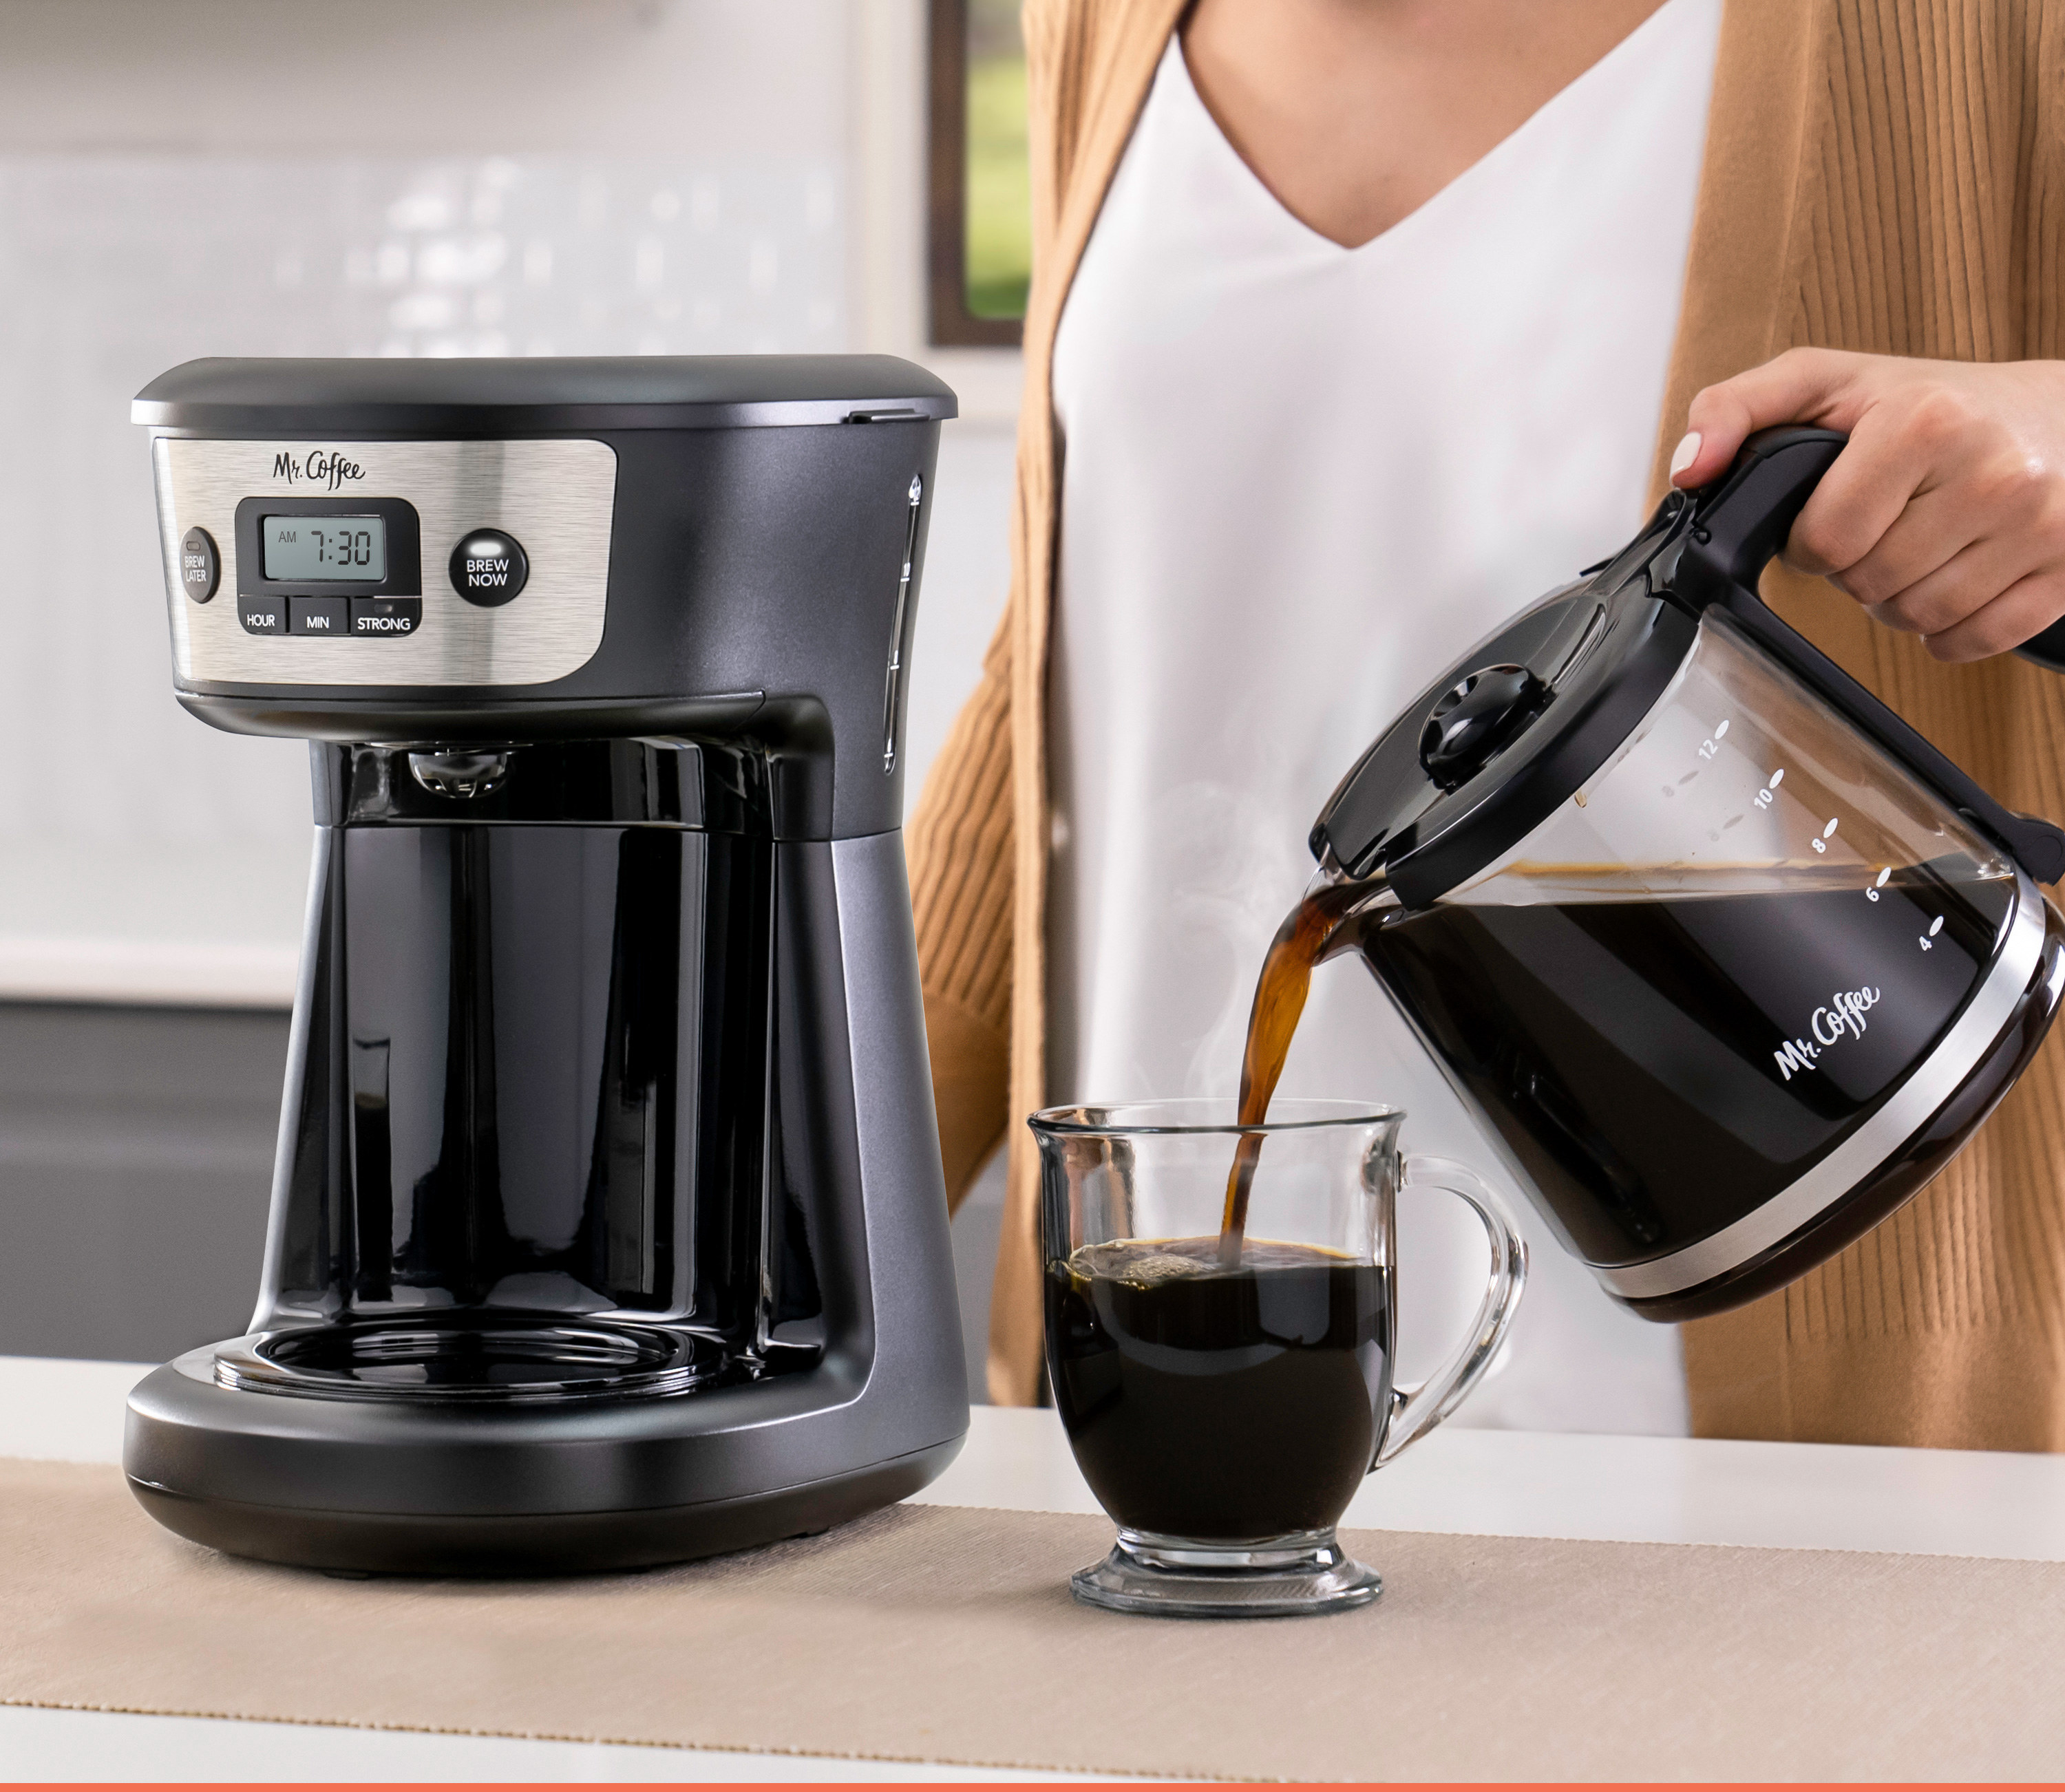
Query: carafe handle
x=1415 y=1411
x=1744 y=519
x=1737 y=526
x=1740 y=521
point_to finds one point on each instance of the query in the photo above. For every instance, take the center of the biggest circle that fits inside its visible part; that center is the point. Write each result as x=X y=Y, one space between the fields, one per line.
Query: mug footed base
x=1299 y=1575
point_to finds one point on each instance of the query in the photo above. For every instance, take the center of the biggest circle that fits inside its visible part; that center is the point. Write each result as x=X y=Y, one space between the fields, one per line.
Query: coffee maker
x=608 y=1226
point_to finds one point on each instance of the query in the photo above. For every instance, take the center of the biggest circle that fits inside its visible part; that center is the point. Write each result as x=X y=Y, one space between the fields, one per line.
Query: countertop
x=215 y=925
x=1631 y=1489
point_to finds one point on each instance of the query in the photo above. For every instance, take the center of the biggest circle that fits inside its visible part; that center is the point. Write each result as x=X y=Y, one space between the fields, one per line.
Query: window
x=980 y=224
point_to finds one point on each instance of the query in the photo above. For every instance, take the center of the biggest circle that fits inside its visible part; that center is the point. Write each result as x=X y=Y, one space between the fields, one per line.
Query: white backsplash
x=114 y=267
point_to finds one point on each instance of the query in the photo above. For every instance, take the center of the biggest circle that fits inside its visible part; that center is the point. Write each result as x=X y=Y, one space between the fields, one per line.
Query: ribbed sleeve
x=1088 y=63
x=1923 y=218
x=958 y=845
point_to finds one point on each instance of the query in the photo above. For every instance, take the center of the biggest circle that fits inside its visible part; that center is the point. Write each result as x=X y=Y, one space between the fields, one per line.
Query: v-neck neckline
x=1498 y=153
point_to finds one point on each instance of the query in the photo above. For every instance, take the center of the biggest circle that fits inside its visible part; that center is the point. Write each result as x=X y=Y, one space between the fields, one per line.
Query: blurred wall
x=191 y=177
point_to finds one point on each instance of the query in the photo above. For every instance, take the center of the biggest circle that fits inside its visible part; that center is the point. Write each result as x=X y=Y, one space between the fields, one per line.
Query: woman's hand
x=1946 y=516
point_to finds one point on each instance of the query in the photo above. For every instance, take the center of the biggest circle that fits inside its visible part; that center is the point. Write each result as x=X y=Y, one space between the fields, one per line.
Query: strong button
x=488 y=567
x=387 y=615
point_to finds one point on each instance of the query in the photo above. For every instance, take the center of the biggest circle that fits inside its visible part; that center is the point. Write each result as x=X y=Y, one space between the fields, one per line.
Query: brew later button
x=488 y=567
x=200 y=566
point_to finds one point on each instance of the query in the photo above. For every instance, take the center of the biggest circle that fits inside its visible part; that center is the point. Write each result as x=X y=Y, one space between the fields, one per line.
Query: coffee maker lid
x=536 y=395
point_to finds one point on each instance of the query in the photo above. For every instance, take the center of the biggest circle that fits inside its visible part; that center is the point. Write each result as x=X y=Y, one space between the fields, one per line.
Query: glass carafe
x=1745 y=959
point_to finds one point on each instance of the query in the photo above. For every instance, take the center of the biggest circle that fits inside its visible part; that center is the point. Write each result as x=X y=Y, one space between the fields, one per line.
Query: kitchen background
x=190 y=177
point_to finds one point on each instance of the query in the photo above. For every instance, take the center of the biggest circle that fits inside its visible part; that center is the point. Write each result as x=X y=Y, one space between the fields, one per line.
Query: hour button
x=262 y=615
x=489 y=567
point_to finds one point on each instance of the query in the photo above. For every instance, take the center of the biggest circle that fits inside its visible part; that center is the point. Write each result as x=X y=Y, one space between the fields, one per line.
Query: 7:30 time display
x=312 y=549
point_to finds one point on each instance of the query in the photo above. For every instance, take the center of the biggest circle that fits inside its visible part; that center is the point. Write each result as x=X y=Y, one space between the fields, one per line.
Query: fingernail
x=1687 y=452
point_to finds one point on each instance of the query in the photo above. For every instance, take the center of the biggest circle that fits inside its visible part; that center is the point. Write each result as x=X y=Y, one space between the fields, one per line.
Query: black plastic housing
x=620 y=1076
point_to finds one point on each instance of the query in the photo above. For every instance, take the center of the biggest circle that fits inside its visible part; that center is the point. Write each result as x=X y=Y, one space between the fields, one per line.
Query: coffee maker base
x=536 y=1543
x=370 y=1487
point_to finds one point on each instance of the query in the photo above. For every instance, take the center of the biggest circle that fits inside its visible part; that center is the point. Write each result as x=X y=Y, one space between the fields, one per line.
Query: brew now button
x=489 y=567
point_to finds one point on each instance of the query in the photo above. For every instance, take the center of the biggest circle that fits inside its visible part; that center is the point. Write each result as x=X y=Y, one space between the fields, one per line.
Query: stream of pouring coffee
x=1306 y=936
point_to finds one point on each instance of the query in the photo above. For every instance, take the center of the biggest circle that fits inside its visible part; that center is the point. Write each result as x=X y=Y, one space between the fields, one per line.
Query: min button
x=488 y=567
x=316 y=615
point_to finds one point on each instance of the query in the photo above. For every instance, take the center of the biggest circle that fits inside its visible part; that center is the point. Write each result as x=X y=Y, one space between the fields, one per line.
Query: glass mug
x=1224 y=1412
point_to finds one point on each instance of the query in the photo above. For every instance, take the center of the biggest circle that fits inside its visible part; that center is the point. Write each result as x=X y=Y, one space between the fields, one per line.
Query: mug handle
x=1415 y=1411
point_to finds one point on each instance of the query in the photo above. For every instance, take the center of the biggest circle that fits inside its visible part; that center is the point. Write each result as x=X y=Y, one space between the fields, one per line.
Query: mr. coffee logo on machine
x=1843 y=1019
x=320 y=466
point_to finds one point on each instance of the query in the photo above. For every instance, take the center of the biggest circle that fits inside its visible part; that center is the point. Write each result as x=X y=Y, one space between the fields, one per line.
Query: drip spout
x=1351 y=906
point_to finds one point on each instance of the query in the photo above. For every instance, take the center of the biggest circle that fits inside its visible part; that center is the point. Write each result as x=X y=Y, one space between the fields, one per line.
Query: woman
x=1350 y=322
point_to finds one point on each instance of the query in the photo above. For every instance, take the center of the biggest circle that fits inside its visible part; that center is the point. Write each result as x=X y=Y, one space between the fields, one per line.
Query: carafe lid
x=1519 y=725
x=1510 y=730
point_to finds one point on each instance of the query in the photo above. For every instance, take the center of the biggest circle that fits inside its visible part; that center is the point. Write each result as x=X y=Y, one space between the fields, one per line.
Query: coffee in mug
x=1225 y=1404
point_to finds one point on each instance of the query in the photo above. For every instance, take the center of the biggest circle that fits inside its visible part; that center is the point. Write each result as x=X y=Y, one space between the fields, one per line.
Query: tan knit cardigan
x=1886 y=175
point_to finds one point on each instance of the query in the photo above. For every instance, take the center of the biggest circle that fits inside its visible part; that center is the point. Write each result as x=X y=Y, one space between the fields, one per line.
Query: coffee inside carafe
x=1649 y=1059
x=1655 y=1063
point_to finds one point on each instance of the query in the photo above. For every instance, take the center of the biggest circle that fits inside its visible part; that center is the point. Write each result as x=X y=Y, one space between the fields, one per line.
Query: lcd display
x=310 y=548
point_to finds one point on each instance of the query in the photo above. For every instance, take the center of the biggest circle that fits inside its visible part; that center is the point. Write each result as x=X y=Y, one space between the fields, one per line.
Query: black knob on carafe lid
x=1506 y=735
x=1474 y=718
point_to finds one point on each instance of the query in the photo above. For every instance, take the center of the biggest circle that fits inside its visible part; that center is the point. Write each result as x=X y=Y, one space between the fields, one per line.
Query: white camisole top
x=1298 y=480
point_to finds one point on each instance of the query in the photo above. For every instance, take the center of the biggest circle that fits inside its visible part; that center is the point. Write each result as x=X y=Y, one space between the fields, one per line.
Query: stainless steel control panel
x=289 y=563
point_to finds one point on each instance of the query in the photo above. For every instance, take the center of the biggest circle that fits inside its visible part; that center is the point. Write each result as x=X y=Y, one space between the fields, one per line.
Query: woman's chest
x=1295 y=477
x=1205 y=315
